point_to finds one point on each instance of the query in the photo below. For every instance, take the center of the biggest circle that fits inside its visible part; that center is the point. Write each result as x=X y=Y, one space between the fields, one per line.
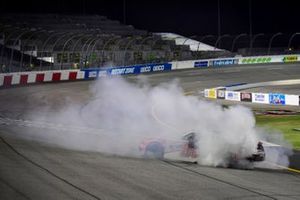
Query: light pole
x=219 y=19
x=290 y=40
x=253 y=39
x=236 y=38
x=219 y=39
x=271 y=40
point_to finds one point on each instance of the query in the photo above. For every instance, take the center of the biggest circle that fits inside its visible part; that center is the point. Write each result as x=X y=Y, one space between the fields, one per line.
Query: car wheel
x=154 y=150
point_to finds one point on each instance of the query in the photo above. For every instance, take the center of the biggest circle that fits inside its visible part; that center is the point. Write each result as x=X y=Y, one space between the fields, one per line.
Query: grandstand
x=48 y=42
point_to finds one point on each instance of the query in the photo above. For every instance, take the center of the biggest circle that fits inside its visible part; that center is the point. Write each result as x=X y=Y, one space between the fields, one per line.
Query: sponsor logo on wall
x=233 y=96
x=92 y=74
x=221 y=94
x=256 y=60
x=293 y=58
x=211 y=93
x=137 y=69
x=245 y=96
x=223 y=62
x=277 y=99
x=260 y=98
x=201 y=64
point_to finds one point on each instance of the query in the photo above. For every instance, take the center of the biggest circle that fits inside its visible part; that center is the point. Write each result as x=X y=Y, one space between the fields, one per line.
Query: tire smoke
x=122 y=114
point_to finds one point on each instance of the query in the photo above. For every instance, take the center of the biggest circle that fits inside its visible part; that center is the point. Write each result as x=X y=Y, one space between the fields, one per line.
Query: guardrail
x=24 y=78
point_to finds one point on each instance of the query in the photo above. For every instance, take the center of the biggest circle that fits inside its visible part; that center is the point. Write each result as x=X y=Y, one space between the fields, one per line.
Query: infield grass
x=285 y=124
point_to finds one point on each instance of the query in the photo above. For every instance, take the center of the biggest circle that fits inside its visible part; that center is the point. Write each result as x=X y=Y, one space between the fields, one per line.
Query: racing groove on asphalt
x=114 y=177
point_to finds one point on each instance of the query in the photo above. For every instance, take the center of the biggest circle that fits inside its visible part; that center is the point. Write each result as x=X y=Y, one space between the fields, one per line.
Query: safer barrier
x=23 y=78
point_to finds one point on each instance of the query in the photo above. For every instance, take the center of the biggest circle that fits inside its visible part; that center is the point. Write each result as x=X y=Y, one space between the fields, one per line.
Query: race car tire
x=154 y=150
x=241 y=164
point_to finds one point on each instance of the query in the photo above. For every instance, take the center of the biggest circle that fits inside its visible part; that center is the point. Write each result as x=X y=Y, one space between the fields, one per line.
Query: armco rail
x=231 y=93
x=24 y=78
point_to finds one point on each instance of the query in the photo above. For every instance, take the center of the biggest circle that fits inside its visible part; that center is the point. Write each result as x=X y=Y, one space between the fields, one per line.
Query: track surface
x=32 y=170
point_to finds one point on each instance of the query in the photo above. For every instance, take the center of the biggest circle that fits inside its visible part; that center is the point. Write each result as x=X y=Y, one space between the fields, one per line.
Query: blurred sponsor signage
x=293 y=58
x=245 y=96
x=233 y=96
x=255 y=60
x=260 y=98
x=210 y=93
x=277 y=99
x=221 y=94
x=221 y=62
x=201 y=64
x=136 y=69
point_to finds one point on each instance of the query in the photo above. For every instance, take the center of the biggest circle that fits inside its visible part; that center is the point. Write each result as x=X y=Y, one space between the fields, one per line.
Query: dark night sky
x=185 y=17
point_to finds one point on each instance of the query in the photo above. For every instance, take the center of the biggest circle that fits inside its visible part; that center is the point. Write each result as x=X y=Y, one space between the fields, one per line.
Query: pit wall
x=33 y=77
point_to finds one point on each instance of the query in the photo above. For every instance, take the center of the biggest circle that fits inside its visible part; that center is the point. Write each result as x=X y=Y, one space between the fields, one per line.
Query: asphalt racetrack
x=30 y=169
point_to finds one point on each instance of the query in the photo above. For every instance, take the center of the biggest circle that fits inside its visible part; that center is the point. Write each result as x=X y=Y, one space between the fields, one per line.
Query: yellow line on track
x=286 y=168
x=189 y=93
x=293 y=170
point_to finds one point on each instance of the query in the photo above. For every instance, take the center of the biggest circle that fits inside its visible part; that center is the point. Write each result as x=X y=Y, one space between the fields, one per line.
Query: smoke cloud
x=118 y=115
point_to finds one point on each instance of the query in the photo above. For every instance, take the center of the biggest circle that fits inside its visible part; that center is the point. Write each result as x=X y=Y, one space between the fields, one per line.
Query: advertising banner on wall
x=221 y=62
x=246 y=96
x=210 y=93
x=255 y=60
x=221 y=94
x=292 y=100
x=260 y=98
x=136 y=69
x=232 y=96
x=201 y=63
x=277 y=99
x=154 y=67
x=290 y=58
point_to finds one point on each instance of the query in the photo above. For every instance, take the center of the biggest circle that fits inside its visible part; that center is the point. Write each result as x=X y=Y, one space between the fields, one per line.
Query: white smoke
x=118 y=115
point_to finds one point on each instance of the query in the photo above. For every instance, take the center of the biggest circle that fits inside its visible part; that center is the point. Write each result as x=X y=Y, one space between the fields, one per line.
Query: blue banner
x=136 y=69
x=277 y=99
x=201 y=64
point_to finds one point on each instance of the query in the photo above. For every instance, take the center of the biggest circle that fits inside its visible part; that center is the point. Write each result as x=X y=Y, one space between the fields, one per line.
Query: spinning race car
x=187 y=147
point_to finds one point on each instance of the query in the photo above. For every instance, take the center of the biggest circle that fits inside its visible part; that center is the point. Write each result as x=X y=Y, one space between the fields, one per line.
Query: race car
x=158 y=148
